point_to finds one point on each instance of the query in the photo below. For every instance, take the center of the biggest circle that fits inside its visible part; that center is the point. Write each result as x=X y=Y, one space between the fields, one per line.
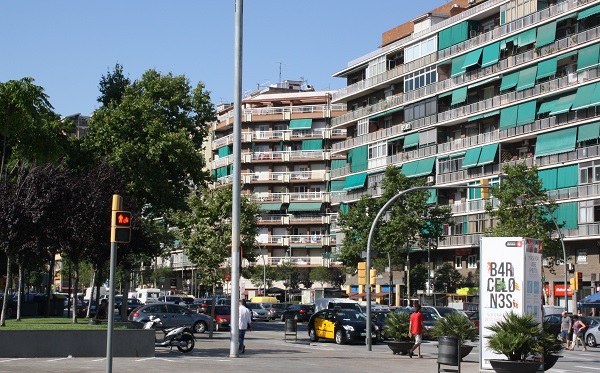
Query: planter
x=550 y=360
x=400 y=347
x=465 y=350
x=519 y=366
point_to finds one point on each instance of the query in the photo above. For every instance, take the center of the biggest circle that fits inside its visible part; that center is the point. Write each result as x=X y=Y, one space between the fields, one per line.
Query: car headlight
x=349 y=328
x=428 y=327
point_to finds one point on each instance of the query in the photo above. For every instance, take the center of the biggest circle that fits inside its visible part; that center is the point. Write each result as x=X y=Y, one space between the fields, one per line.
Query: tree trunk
x=20 y=289
x=6 y=287
x=50 y=279
x=89 y=307
x=75 y=289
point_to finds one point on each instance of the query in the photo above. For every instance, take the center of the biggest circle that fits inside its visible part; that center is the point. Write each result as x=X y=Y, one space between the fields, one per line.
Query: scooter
x=179 y=336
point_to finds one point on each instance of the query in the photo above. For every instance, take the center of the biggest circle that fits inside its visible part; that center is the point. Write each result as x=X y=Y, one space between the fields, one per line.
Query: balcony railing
x=325 y=109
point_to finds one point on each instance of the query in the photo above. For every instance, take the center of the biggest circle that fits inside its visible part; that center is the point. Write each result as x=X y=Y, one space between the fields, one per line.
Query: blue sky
x=67 y=45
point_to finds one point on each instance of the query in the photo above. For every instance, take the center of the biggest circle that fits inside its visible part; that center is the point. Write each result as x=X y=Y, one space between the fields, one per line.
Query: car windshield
x=446 y=310
x=278 y=306
x=254 y=306
x=430 y=315
x=349 y=315
x=222 y=310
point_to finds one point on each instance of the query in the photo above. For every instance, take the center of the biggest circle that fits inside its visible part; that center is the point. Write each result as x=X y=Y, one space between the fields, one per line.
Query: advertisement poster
x=510 y=280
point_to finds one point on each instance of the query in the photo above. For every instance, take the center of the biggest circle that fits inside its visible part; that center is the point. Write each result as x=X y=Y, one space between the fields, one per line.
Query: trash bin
x=449 y=351
x=291 y=329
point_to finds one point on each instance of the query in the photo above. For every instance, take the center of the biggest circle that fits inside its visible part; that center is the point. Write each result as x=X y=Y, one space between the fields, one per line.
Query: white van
x=146 y=296
x=331 y=303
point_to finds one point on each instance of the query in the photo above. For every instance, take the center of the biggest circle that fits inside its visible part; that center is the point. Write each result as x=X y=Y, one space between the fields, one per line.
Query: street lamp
x=264 y=272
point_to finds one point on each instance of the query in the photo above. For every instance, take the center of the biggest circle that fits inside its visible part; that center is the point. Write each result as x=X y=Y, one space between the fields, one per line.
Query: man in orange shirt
x=416 y=329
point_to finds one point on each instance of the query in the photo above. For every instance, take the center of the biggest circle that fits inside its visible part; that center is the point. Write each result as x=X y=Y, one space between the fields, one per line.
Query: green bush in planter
x=396 y=326
x=455 y=325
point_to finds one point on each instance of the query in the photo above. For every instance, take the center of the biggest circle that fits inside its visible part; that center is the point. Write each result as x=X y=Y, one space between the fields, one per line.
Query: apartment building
x=285 y=159
x=457 y=94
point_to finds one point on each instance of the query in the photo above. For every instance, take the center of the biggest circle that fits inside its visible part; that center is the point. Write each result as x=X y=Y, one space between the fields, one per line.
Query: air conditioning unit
x=430 y=179
x=472 y=33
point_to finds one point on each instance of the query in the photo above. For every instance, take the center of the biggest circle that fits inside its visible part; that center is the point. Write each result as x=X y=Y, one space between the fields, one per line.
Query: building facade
x=459 y=93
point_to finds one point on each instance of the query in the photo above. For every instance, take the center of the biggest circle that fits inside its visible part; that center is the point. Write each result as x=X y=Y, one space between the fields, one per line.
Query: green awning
x=568 y=54
x=474 y=118
x=526 y=113
x=595 y=101
x=567 y=176
x=568 y=16
x=548 y=105
x=548 y=178
x=526 y=37
x=527 y=78
x=445 y=94
x=472 y=58
x=590 y=131
x=588 y=12
x=488 y=153
x=411 y=140
x=563 y=104
x=546 y=34
x=337 y=185
x=300 y=124
x=425 y=167
x=491 y=54
x=491 y=113
x=304 y=206
x=338 y=163
x=314 y=144
x=583 y=97
x=509 y=81
x=556 y=142
x=355 y=181
x=344 y=207
x=471 y=158
x=387 y=112
x=482 y=82
x=459 y=96
x=457 y=66
x=270 y=206
x=358 y=158
x=224 y=151
x=508 y=117
x=410 y=169
x=395 y=139
x=588 y=57
x=546 y=68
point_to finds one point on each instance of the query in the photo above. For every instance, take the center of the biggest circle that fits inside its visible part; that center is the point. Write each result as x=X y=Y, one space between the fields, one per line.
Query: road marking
x=586 y=367
x=62 y=358
x=9 y=360
x=99 y=359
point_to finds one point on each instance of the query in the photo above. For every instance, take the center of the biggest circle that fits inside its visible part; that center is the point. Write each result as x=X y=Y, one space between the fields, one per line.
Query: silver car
x=258 y=312
x=171 y=315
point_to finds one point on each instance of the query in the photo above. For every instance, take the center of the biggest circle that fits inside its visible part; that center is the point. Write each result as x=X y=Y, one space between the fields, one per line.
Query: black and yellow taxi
x=340 y=325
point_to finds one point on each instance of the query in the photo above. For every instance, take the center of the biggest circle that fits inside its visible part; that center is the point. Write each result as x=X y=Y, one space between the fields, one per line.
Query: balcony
x=285 y=112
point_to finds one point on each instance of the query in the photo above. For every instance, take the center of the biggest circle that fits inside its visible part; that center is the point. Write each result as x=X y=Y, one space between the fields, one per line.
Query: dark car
x=275 y=310
x=474 y=317
x=378 y=318
x=298 y=312
x=171 y=315
x=200 y=304
x=341 y=326
x=429 y=319
x=222 y=316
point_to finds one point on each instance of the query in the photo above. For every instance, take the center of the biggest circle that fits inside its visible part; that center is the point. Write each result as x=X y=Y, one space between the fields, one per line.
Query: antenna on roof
x=280 y=64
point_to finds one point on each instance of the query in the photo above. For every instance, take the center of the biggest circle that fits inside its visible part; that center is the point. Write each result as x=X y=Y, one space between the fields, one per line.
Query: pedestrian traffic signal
x=120 y=230
x=362 y=273
x=578 y=276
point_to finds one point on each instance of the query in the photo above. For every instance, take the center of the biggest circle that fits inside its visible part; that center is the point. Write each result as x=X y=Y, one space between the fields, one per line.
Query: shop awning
x=588 y=12
x=556 y=142
x=527 y=78
x=471 y=158
x=563 y=104
x=472 y=58
x=588 y=57
x=425 y=167
x=508 y=117
x=270 y=206
x=546 y=68
x=509 y=81
x=488 y=154
x=546 y=34
x=411 y=140
x=304 y=206
x=583 y=97
x=491 y=54
x=355 y=181
x=300 y=124
x=589 y=131
x=387 y=112
x=459 y=96
x=526 y=113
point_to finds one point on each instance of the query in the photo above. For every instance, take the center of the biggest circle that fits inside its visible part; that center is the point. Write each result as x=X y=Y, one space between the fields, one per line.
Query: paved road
x=267 y=351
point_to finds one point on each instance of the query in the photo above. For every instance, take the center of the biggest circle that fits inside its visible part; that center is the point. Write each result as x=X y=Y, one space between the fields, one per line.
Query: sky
x=68 y=45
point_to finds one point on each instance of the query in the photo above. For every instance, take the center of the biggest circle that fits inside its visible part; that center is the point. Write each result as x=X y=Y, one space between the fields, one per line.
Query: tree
x=288 y=274
x=112 y=86
x=257 y=275
x=320 y=275
x=447 y=279
x=521 y=211
x=155 y=137
x=418 y=277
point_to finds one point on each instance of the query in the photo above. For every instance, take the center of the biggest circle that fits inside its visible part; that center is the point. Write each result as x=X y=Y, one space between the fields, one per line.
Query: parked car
x=592 y=335
x=298 y=312
x=133 y=303
x=174 y=299
x=340 y=325
x=555 y=319
x=440 y=311
x=429 y=319
x=276 y=310
x=258 y=312
x=378 y=318
x=222 y=318
x=200 y=304
x=474 y=317
x=171 y=315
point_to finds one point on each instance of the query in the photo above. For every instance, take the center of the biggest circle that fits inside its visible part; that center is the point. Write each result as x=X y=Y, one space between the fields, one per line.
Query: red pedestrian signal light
x=120 y=230
x=121 y=219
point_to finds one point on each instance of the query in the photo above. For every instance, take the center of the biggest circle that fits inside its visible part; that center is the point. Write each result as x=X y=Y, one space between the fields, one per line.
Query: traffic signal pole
x=116 y=206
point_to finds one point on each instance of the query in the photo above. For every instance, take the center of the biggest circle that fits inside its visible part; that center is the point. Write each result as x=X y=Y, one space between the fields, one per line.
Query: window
x=376 y=67
x=420 y=109
x=363 y=127
x=378 y=150
x=451 y=164
x=586 y=212
x=458 y=262
x=589 y=172
x=581 y=256
x=472 y=261
x=420 y=78
x=420 y=49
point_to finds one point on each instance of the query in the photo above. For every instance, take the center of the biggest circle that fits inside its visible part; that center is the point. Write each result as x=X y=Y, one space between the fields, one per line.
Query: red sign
x=559 y=291
x=227 y=277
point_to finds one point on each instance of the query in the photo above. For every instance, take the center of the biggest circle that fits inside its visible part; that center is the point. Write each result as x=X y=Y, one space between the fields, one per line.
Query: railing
x=325 y=108
x=295 y=260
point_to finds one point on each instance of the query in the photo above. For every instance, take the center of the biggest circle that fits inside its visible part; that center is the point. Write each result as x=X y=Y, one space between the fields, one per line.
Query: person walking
x=245 y=323
x=578 y=332
x=566 y=328
x=415 y=329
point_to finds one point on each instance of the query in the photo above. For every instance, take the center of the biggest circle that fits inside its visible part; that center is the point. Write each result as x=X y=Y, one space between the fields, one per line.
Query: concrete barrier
x=75 y=343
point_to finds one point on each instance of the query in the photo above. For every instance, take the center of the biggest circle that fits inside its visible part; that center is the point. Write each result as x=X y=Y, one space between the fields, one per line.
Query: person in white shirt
x=245 y=324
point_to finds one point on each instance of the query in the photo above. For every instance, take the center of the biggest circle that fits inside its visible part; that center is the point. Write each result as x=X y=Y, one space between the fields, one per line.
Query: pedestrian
x=245 y=323
x=102 y=308
x=578 y=332
x=415 y=329
x=566 y=328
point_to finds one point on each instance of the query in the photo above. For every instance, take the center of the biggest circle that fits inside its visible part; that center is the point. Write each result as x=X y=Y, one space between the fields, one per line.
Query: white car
x=258 y=312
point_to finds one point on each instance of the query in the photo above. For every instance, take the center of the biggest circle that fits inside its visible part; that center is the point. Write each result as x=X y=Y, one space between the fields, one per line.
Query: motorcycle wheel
x=190 y=343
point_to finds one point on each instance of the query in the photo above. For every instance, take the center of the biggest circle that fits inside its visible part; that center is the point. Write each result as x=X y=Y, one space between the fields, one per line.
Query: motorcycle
x=179 y=336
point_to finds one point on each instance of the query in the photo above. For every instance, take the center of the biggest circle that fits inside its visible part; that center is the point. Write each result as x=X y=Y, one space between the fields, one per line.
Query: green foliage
x=456 y=325
x=518 y=337
x=397 y=326
x=320 y=275
x=521 y=212
x=258 y=273
x=112 y=86
x=418 y=277
x=447 y=279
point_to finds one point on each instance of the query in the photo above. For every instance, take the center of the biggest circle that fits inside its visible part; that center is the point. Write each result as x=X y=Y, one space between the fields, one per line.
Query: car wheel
x=199 y=327
x=312 y=335
x=590 y=340
x=339 y=336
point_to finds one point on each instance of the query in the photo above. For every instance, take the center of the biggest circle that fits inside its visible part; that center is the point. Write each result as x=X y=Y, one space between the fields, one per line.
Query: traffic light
x=362 y=273
x=372 y=276
x=485 y=192
x=578 y=276
x=120 y=227
x=573 y=283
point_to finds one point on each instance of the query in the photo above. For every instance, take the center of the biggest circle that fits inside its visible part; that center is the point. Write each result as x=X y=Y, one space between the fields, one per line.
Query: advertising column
x=510 y=281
